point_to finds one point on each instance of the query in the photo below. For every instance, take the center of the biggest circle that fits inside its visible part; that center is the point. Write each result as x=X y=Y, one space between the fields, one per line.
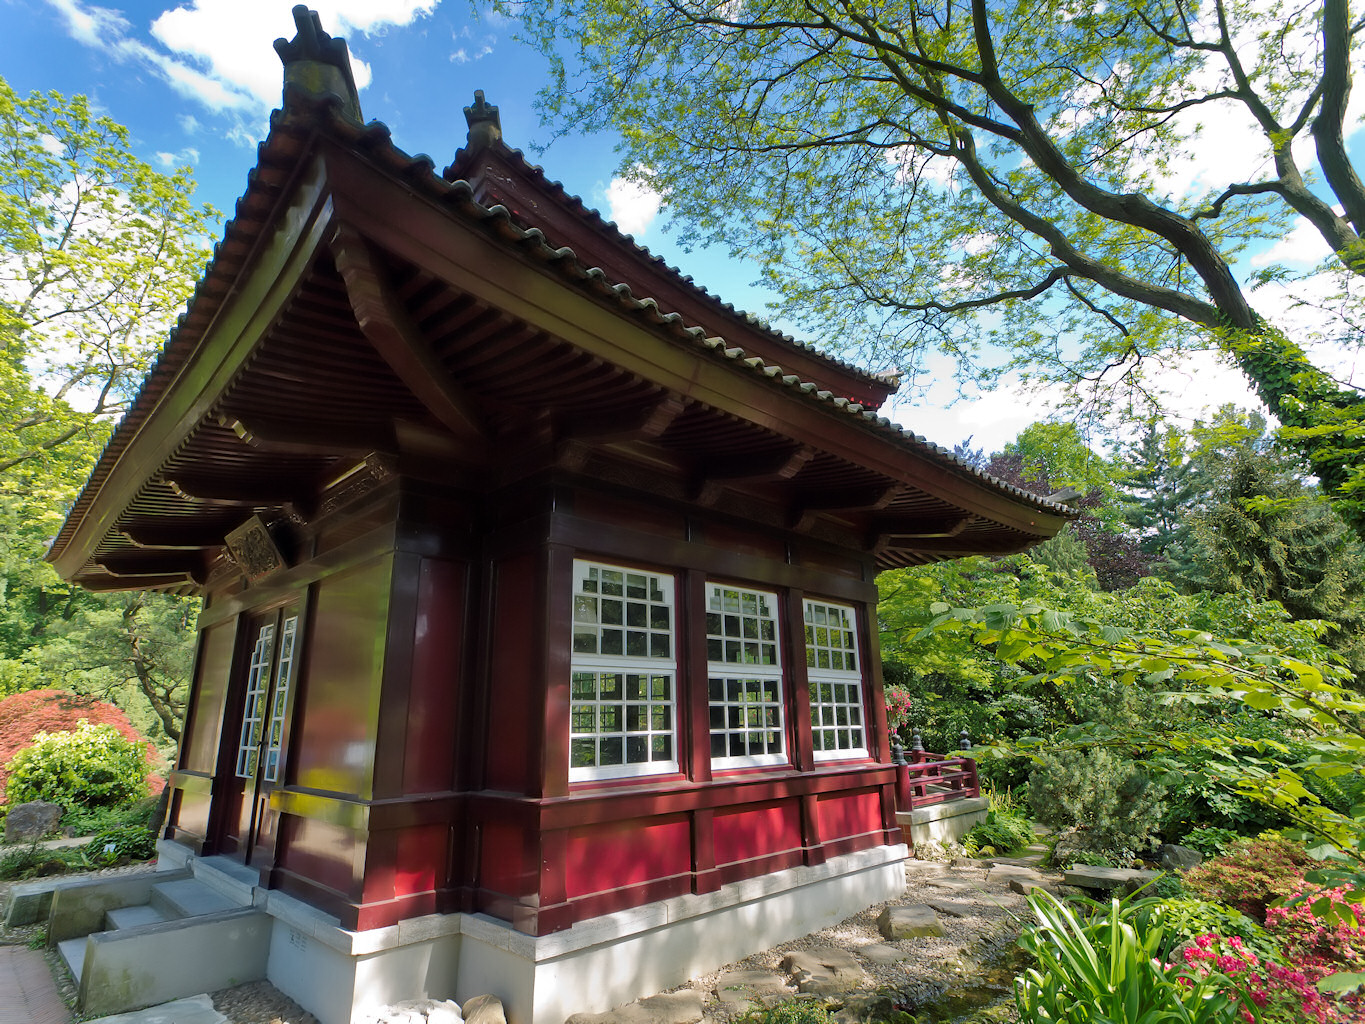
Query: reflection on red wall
x=335 y=725
x=429 y=756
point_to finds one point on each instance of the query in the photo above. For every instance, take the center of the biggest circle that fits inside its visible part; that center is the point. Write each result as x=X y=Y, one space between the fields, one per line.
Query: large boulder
x=484 y=1010
x=1174 y=857
x=30 y=821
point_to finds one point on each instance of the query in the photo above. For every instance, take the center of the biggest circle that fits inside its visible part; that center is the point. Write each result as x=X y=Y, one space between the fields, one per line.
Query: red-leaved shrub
x=24 y=715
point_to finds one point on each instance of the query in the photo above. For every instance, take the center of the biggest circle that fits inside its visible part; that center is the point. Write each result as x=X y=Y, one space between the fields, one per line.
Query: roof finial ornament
x=316 y=65
x=485 y=126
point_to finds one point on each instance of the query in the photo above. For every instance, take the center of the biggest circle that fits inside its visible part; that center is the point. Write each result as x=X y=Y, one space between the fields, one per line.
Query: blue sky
x=195 y=82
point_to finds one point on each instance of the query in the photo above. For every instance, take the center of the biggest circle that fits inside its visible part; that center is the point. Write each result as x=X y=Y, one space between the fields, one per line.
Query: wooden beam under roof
x=769 y=466
x=646 y=424
x=184 y=534
x=102 y=584
x=301 y=437
x=156 y=562
x=247 y=491
x=386 y=323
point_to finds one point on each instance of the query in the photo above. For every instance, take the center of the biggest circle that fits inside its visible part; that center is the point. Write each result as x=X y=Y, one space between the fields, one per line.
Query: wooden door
x=258 y=760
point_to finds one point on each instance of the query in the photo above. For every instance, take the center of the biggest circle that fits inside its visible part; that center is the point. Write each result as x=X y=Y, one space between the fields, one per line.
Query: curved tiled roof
x=291 y=136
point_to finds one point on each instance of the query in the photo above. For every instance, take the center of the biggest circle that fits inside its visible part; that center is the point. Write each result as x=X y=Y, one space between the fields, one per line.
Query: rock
x=953 y=908
x=484 y=1010
x=953 y=884
x=880 y=953
x=681 y=1007
x=1025 y=886
x=31 y=821
x=969 y=862
x=1174 y=857
x=445 y=1012
x=746 y=986
x=1088 y=877
x=1001 y=874
x=909 y=922
x=823 y=970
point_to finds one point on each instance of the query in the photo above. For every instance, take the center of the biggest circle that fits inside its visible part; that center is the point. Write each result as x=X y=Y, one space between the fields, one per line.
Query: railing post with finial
x=903 y=792
x=973 y=787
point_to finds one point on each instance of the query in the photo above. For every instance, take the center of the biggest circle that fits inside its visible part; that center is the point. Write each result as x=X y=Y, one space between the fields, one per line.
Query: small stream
x=986 y=995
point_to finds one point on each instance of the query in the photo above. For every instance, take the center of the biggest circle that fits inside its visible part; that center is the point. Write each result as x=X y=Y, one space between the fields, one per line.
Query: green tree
x=1157 y=487
x=898 y=167
x=98 y=253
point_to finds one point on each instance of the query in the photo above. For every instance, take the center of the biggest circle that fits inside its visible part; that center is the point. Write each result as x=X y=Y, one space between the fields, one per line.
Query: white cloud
x=219 y=52
x=1303 y=244
x=632 y=204
x=170 y=161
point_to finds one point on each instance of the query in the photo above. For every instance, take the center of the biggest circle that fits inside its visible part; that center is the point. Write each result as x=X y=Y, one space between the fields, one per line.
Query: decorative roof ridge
x=607 y=227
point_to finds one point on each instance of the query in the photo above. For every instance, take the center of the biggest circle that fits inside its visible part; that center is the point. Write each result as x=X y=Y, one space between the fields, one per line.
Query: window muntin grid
x=744 y=669
x=836 y=683
x=284 y=674
x=622 y=691
x=253 y=711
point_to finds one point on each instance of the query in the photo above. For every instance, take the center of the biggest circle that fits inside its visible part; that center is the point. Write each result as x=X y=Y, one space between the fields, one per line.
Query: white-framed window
x=284 y=675
x=623 y=686
x=253 y=710
x=834 y=669
x=744 y=670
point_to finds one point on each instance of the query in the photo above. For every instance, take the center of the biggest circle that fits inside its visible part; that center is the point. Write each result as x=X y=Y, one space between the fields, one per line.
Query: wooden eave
x=360 y=306
x=502 y=176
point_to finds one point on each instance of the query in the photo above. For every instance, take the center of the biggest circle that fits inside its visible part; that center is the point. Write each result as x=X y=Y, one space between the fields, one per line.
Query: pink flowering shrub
x=1285 y=990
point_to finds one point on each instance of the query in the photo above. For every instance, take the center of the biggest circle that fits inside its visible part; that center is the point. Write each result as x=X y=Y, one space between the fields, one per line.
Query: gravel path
x=981 y=919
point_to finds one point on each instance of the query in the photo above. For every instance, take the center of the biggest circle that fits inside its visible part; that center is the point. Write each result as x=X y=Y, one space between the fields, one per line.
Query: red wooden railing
x=924 y=778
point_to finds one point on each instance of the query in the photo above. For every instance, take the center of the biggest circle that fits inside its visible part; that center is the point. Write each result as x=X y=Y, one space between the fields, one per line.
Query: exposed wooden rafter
x=647 y=424
x=249 y=492
x=156 y=562
x=807 y=505
x=767 y=467
x=186 y=535
x=297 y=437
x=388 y=327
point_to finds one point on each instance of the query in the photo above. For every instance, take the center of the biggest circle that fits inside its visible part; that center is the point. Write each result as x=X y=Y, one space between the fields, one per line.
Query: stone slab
x=880 y=953
x=746 y=986
x=681 y=1007
x=194 y=1010
x=953 y=884
x=912 y=922
x=824 y=970
x=1088 y=877
x=953 y=908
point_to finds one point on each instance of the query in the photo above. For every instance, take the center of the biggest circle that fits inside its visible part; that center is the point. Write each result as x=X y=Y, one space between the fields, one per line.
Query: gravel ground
x=988 y=925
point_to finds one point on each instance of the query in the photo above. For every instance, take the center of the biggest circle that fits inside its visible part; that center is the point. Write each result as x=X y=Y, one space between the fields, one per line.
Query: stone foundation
x=942 y=823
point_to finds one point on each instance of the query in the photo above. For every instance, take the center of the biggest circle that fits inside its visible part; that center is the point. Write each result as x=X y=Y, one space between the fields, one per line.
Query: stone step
x=1088 y=877
x=188 y=898
x=132 y=917
x=73 y=952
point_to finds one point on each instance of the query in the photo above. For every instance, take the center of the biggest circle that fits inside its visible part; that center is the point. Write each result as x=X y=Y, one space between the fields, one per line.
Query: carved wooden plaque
x=253 y=550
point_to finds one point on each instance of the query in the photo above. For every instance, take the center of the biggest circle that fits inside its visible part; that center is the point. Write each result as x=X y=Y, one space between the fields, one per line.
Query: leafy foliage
x=1103 y=963
x=1253 y=875
x=1109 y=805
x=1001 y=832
x=897 y=168
x=94 y=766
x=25 y=716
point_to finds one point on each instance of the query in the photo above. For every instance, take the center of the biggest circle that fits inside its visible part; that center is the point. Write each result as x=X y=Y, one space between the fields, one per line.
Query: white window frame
x=651 y=664
x=749 y=672
x=253 y=705
x=284 y=677
x=841 y=681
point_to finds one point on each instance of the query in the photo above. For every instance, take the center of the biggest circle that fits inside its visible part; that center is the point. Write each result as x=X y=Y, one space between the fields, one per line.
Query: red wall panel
x=511 y=714
x=214 y=671
x=428 y=757
x=625 y=853
x=849 y=814
x=755 y=831
x=334 y=735
x=320 y=852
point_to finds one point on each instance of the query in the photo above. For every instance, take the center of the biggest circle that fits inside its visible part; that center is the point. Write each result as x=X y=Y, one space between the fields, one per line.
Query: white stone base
x=945 y=822
x=339 y=975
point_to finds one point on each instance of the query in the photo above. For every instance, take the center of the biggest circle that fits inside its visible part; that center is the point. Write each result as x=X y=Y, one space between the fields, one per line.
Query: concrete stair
x=181 y=937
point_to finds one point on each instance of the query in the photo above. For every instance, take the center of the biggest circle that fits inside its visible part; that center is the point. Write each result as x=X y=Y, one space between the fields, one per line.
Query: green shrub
x=88 y=821
x=1108 y=806
x=1187 y=917
x=95 y=766
x=1000 y=832
x=795 y=1011
x=1104 y=960
x=1210 y=840
x=1255 y=872
x=123 y=843
x=38 y=862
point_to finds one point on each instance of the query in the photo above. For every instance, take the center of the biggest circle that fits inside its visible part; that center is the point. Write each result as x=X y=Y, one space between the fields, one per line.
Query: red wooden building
x=538 y=653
